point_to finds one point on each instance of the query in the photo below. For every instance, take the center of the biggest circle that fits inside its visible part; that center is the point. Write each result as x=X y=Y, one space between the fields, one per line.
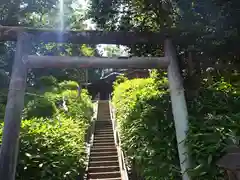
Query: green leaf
x=209 y=159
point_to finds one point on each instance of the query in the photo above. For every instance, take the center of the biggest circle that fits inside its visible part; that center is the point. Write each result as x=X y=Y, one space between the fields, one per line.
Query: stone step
x=103 y=131
x=103 y=169
x=98 y=148
x=103 y=163
x=99 y=127
x=96 y=144
x=107 y=118
x=103 y=124
x=101 y=136
x=103 y=158
x=103 y=127
x=103 y=111
x=103 y=106
x=104 y=134
x=108 y=122
x=107 y=179
x=100 y=120
x=104 y=153
x=103 y=149
x=98 y=175
x=104 y=139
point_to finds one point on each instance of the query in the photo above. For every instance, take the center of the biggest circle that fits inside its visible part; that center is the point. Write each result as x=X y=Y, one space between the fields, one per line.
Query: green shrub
x=213 y=126
x=2 y=111
x=40 y=107
x=120 y=79
x=47 y=81
x=54 y=147
x=147 y=130
x=53 y=97
x=148 y=135
x=68 y=85
x=3 y=102
x=51 y=149
x=80 y=107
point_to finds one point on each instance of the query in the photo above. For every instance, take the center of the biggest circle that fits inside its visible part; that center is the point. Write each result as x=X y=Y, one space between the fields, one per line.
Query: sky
x=91 y=26
x=83 y=2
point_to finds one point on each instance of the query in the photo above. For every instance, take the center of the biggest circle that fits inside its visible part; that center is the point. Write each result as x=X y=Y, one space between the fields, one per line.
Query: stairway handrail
x=90 y=133
x=117 y=139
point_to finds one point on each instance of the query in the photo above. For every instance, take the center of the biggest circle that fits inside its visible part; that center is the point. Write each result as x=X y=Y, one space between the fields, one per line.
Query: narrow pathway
x=103 y=163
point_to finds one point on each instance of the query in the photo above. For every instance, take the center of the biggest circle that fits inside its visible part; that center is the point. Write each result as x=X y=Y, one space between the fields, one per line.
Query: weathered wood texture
x=95 y=62
x=231 y=163
x=12 y=120
x=83 y=37
x=179 y=107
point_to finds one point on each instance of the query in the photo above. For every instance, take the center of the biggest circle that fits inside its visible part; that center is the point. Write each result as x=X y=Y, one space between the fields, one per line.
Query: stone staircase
x=103 y=161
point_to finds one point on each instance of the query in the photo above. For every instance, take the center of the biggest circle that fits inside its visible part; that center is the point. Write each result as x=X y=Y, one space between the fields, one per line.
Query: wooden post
x=12 y=120
x=231 y=163
x=86 y=76
x=179 y=107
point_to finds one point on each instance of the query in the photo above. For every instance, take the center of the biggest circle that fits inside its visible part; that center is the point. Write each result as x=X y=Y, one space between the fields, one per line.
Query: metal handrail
x=117 y=139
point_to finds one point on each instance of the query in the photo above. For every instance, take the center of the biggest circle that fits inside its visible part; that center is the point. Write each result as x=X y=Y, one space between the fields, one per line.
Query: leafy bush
x=54 y=147
x=120 y=79
x=68 y=85
x=51 y=149
x=80 y=107
x=146 y=128
x=2 y=111
x=3 y=102
x=148 y=135
x=53 y=97
x=46 y=83
x=213 y=127
x=40 y=107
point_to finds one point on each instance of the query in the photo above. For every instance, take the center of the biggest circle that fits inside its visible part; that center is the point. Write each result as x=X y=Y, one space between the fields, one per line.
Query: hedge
x=53 y=146
x=40 y=107
x=47 y=81
x=148 y=135
x=51 y=149
x=214 y=126
x=68 y=85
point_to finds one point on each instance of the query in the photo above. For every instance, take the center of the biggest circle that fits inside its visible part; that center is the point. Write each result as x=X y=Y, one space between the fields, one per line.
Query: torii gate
x=24 y=60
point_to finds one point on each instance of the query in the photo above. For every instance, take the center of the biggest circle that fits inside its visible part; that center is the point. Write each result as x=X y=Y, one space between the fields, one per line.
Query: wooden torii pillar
x=23 y=61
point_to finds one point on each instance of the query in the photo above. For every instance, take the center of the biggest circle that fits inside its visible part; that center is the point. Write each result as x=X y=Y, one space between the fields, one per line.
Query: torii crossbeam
x=24 y=60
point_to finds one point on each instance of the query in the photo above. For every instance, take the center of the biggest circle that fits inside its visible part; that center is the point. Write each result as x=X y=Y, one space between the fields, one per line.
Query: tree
x=205 y=32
